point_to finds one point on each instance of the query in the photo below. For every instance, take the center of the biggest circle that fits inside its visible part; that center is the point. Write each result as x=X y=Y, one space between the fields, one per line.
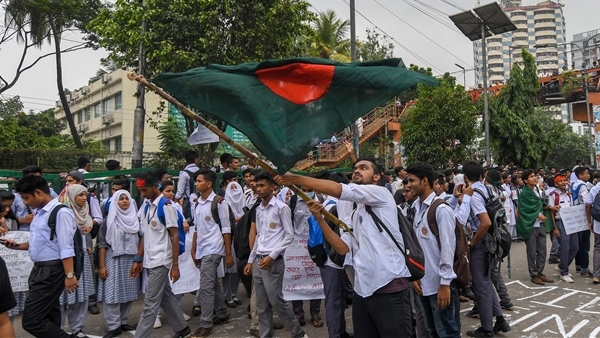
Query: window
x=543 y=12
x=106 y=106
x=97 y=110
x=541 y=29
x=88 y=112
x=118 y=143
x=106 y=144
x=519 y=38
x=79 y=113
x=118 y=101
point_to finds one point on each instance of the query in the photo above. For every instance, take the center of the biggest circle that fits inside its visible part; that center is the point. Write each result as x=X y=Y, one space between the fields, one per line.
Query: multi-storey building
x=540 y=30
x=590 y=41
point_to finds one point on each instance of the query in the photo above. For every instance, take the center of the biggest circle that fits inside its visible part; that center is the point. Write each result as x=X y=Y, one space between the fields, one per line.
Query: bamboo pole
x=187 y=112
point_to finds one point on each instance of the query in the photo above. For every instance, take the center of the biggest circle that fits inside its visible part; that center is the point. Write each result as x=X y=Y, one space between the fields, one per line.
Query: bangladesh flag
x=286 y=107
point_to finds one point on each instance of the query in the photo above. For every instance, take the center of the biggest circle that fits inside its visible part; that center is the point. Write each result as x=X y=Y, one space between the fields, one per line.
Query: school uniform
x=42 y=315
x=20 y=296
x=158 y=257
x=596 y=226
x=210 y=250
x=481 y=276
x=381 y=282
x=183 y=185
x=98 y=217
x=274 y=233
x=569 y=244
x=582 y=260
x=438 y=268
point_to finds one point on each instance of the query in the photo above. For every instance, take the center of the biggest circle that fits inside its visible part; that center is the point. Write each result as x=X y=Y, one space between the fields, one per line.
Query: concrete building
x=591 y=40
x=104 y=110
x=540 y=30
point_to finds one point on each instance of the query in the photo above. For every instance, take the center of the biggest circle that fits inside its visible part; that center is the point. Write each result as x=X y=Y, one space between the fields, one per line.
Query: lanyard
x=151 y=216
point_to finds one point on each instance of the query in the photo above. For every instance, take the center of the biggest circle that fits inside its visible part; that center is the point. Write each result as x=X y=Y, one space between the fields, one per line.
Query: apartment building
x=587 y=49
x=541 y=30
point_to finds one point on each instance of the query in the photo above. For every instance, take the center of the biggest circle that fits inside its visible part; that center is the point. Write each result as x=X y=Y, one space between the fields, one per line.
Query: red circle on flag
x=299 y=83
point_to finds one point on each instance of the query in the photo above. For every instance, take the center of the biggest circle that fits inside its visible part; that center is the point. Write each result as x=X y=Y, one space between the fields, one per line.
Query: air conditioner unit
x=85 y=90
x=58 y=104
x=68 y=96
x=107 y=119
x=106 y=78
x=82 y=128
x=75 y=95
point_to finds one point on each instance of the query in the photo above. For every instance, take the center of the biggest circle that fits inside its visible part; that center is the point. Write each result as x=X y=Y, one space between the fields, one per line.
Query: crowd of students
x=365 y=267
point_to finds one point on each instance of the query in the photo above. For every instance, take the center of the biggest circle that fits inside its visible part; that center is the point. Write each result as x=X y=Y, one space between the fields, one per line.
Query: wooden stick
x=187 y=112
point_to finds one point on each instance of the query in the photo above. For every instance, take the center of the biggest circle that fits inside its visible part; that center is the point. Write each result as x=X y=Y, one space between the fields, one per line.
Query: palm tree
x=331 y=35
x=46 y=20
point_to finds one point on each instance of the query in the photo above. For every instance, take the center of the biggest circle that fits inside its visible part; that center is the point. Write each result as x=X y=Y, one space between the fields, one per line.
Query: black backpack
x=331 y=253
x=595 y=212
x=412 y=251
x=241 y=240
x=214 y=209
x=77 y=241
x=498 y=239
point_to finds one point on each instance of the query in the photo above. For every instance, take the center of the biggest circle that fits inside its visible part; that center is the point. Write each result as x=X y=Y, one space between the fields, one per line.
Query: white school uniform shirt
x=538 y=193
x=565 y=200
x=477 y=205
x=338 y=204
x=209 y=240
x=158 y=249
x=462 y=210
x=377 y=261
x=249 y=198
x=583 y=192
x=589 y=200
x=41 y=248
x=509 y=204
x=438 y=263
x=274 y=230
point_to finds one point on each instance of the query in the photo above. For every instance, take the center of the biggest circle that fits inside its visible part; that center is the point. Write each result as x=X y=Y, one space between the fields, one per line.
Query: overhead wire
x=454 y=4
x=447 y=24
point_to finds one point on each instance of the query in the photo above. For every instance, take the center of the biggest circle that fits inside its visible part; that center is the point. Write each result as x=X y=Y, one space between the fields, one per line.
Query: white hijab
x=126 y=220
x=282 y=196
x=234 y=195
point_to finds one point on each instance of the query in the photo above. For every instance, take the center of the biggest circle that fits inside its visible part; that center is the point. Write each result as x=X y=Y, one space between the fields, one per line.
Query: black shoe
x=587 y=274
x=196 y=311
x=230 y=304
x=501 y=327
x=553 y=260
x=113 y=333
x=467 y=292
x=93 y=309
x=219 y=321
x=236 y=300
x=473 y=314
x=202 y=332
x=480 y=332
x=128 y=327
x=183 y=333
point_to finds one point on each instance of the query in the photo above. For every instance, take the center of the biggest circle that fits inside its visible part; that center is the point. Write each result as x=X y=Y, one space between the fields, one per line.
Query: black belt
x=263 y=256
x=47 y=263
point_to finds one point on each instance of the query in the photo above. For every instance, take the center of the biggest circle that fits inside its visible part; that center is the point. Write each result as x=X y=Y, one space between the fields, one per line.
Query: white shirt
x=397 y=185
x=583 y=192
x=589 y=200
x=41 y=248
x=509 y=205
x=377 y=261
x=462 y=211
x=183 y=185
x=477 y=205
x=209 y=239
x=249 y=198
x=538 y=193
x=158 y=250
x=565 y=200
x=438 y=263
x=573 y=177
x=329 y=203
x=274 y=230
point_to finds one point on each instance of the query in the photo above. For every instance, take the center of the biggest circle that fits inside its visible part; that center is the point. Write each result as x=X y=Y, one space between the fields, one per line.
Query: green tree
x=375 y=47
x=568 y=148
x=412 y=93
x=43 y=123
x=441 y=125
x=331 y=37
x=173 y=140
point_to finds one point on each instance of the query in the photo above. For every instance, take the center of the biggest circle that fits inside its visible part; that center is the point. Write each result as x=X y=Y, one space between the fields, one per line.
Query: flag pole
x=187 y=112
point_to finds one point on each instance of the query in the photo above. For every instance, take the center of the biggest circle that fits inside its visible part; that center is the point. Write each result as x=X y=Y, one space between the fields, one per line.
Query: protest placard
x=302 y=277
x=18 y=263
x=574 y=219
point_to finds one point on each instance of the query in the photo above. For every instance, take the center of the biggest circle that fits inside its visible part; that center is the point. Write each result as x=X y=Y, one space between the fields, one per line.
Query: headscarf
x=282 y=196
x=234 y=195
x=82 y=214
x=126 y=220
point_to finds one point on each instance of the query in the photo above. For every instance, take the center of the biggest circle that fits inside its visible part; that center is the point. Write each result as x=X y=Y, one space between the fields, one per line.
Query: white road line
x=523 y=318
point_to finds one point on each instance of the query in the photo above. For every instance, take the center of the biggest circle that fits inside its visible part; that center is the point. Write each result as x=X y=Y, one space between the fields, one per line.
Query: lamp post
x=464 y=74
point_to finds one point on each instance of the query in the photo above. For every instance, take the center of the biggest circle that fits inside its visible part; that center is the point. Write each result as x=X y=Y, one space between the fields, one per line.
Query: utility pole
x=140 y=112
x=355 y=135
x=486 y=109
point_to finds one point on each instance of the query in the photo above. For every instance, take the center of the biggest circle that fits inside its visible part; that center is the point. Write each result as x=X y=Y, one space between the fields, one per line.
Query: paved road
x=554 y=310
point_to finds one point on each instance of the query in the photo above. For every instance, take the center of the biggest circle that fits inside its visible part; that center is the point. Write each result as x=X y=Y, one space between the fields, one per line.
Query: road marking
x=560 y=325
x=523 y=318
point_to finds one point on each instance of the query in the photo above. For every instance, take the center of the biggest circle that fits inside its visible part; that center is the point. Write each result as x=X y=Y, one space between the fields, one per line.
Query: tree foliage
x=330 y=37
x=441 y=125
x=412 y=93
x=374 y=47
x=569 y=148
x=519 y=130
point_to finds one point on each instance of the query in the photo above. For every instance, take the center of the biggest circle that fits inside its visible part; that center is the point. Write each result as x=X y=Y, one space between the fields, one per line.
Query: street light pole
x=464 y=74
x=355 y=134
x=486 y=108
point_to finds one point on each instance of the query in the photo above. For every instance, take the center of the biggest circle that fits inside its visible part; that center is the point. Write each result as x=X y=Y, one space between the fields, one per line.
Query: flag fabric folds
x=286 y=107
x=202 y=135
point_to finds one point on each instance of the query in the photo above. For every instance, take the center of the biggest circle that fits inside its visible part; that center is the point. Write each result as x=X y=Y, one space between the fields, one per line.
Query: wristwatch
x=138 y=259
x=70 y=275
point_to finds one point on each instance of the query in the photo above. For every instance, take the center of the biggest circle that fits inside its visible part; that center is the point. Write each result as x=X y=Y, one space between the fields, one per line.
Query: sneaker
x=567 y=279
x=183 y=333
x=202 y=332
x=558 y=269
x=157 y=323
x=186 y=317
x=80 y=334
x=230 y=304
x=545 y=279
x=596 y=280
x=480 y=332
x=196 y=310
x=219 y=321
x=473 y=314
x=501 y=327
x=553 y=260
x=508 y=306
x=236 y=300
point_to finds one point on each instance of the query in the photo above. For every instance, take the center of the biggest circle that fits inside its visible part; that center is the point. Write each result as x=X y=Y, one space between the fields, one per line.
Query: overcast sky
x=444 y=48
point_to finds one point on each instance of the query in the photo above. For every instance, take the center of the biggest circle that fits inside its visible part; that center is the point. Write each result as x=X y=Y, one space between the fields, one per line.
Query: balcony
x=546 y=39
x=543 y=15
x=546 y=24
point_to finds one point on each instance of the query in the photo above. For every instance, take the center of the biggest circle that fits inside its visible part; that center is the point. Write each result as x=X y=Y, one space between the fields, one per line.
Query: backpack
x=331 y=253
x=77 y=241
x=497 y=240
x=575 y=192
x=461 y=252
x=241 y=240
x=318 y=248
x=215 y=213
x=161 y=217
x=412 y=251
x=595 y=212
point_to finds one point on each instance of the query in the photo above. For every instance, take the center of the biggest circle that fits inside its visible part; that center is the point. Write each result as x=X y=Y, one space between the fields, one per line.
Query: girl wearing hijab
x=74 y=305
x=118 y=241
x=234 y=195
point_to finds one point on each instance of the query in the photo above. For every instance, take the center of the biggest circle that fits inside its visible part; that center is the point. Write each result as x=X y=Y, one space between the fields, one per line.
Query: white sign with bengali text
x=302 y=277
x=18 y=263
x=574 y=219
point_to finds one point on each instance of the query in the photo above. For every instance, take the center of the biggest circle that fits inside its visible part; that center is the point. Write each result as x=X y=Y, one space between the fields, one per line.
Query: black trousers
x=382 y=315
x=41 y=316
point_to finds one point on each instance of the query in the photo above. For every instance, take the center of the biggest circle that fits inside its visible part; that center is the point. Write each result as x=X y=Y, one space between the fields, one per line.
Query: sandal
x=301 y=321
x=317 y=321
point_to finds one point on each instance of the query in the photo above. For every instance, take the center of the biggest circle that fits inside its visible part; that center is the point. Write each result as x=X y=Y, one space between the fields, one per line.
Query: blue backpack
x=161 y=217
x=316 y=242
x=575 y=192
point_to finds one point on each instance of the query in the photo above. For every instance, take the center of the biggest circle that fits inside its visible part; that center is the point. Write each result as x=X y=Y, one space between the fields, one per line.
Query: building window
x=118 y=143
x=118 y=101
x=106 y=144
x=88 y=112
x=79 y=113
x=106 y=106
x=98 y=109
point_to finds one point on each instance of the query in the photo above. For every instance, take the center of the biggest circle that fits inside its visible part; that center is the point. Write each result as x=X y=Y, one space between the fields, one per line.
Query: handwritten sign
x=302 y=277
x=190 y=275
x=574 y=219
x=18 y=263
